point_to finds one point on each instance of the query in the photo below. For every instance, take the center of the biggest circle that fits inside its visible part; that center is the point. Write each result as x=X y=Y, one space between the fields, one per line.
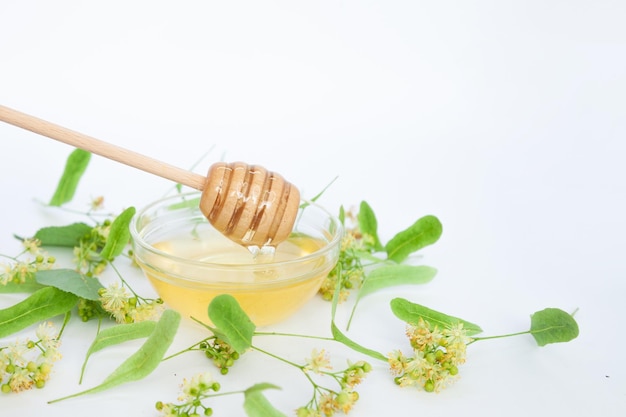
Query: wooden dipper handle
x=101 y=148
x=247 y=203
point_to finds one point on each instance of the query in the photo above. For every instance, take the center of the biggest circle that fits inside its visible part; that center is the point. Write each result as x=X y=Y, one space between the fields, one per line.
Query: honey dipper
x=246 y=203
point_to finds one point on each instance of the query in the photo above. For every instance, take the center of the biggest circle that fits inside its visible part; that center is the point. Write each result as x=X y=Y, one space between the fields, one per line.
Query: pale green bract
x=118 y=334
x=75 y=166
x=143 y=361
x=119 y=235
x=256 y=405
x=412 y=313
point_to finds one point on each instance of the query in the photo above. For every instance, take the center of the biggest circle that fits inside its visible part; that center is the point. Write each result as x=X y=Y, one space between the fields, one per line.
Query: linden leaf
x=553 y=325
x=39 y=306
x=425 y=231
x=392 y=275
x=411 y=313
x=75 y=167
x=119 y=235
x=65 y=236
x=71 y=281
x=256 y=405
x=12 y=287
x=342 y=338
x=144 y=360
x=118 y=334
x=232 y=322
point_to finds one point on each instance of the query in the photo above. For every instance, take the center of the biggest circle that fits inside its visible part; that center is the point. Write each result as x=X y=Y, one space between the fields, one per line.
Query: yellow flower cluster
x=28 y=364
x=200 y=387
x=125 y=308
x=326 y=402
x=437 y=356
x=349 y=272
x=22 y=271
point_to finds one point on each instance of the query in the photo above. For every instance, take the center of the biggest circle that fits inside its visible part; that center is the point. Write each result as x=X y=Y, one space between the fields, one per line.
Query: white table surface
x=507 y=120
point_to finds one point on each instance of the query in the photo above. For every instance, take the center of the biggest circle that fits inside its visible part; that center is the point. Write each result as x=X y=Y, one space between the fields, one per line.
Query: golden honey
x=269 y=288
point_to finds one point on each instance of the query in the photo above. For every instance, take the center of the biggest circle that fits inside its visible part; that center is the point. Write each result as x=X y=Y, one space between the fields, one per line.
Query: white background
x=505 y=119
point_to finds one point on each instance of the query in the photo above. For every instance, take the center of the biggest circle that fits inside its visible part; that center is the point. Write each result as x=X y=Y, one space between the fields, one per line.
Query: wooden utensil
x=247 y=203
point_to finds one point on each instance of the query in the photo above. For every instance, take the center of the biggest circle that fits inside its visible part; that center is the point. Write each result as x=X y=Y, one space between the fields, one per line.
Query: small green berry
x=429 y=386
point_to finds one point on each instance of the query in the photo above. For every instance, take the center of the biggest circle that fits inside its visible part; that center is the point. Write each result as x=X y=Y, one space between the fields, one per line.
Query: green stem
x=306 y=336
x=119 y=275
x=189 y=349
x=279 y=358
x=476 y=339
x=66 y=320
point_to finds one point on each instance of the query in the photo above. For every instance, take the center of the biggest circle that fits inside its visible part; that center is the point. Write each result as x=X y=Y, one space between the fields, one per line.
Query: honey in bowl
x=189 y=262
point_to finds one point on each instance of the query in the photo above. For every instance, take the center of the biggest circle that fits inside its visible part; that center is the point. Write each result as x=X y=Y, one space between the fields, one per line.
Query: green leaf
x=143 y=361
x=256 y=405
x=70 y=281
x=392 y=275
x=425 y=231
x=342 y=215
x=65 y=236
x=119 y=235
x=342 y=338
x=318 y=195
x=411 y=313
x=39 y=306
x=118 y=334
x=75 y=167
x=368 y=225
x=232 y=322
x=553 y=325
x=20 y=288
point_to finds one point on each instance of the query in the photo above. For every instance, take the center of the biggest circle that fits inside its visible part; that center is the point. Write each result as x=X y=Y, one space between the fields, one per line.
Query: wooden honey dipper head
x=249 y=204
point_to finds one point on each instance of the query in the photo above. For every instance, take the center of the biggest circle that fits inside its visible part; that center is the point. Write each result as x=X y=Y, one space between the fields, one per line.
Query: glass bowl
x=188 y=262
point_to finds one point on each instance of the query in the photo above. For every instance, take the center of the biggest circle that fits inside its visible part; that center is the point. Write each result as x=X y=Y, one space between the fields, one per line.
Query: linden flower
x=145 y=312
x=346 y=399
x=16 y=352
x=5 y=276
x=97 y=203
x=319 y=361
x=457 y=335
x=328 y=404
x=114 y=298
x=47 y=335
x=31 y=245
x=397 y=362
x=23 y=271
x=437 y=354
x=199 y=383
x=4 y=362
x=21 y=380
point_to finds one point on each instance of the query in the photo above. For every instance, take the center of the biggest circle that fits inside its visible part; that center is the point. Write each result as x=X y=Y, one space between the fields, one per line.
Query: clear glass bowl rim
x=138 y=239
